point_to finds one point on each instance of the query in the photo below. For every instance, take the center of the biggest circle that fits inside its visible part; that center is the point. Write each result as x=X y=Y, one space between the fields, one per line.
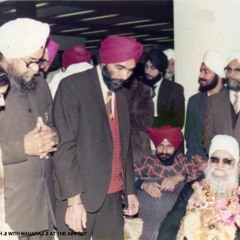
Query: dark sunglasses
x=225 y=161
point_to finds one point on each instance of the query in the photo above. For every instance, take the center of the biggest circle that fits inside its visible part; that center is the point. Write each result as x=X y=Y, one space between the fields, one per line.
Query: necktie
x=235 y=104
x=109 y=104
x=153 y=91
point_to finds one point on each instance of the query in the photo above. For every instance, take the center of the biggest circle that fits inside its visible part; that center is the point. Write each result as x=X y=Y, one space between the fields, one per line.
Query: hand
x=168 y=184
x=133 y=205
x=41 y=140
x=49 y=139
x=152 y=188
x=76 y=215
x=201 y=163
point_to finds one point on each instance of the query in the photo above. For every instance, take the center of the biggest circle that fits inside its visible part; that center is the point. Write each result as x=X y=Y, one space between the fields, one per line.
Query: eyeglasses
x=40 y=62
x=230 y=70
x=225 y=161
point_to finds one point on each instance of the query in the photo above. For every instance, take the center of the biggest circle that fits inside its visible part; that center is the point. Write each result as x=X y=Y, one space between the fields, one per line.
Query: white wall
x=201 y=25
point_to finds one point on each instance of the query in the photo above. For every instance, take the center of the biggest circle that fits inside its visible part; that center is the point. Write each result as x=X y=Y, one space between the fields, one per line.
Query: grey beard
x=21 y=86
x=169 y=74
x=233 y=84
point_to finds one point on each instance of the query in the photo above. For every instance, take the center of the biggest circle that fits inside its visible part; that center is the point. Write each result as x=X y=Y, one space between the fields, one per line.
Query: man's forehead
x=129 y=64
x=222 y=154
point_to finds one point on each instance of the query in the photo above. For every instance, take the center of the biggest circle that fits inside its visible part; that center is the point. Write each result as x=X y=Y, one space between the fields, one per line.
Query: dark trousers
x=105 y=224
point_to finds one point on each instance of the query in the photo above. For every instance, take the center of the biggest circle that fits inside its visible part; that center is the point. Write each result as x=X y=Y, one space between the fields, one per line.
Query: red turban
x=52 y=48
x=116 y=49
x=173 y=135
x=75 y=54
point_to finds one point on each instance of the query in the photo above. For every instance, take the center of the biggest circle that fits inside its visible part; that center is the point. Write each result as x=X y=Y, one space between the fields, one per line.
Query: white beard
x=222 y=185
x=169 y=74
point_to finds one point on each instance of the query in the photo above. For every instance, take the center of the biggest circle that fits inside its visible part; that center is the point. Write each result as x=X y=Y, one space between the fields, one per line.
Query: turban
x=116 y=49
x=169 y=53
x=75 y=54
x=173 y=135
x=22 y=37
x=234 y=55
x=225 y=142
x=158 y=59
x=215 y=62
x=52 y=48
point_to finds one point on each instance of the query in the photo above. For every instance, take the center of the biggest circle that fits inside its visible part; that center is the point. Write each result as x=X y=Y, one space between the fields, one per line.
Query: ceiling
x=151 y=22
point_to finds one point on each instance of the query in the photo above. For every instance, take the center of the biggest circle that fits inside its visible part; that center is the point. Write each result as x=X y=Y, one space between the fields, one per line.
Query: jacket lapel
x=97 y=96
x=226 y=114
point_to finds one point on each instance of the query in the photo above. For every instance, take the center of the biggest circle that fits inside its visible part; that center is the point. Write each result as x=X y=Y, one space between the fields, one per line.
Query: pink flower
x=221 y=203
x=227 y=217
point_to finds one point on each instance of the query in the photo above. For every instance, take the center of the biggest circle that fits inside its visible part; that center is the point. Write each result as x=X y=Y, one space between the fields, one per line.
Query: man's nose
x=220 y=164
x=164 y=150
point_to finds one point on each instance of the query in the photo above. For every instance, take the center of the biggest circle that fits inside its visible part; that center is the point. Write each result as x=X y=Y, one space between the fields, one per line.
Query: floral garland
x=209 y=216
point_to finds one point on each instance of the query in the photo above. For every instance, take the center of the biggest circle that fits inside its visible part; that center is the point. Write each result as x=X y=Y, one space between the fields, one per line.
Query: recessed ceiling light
x=150 y=25
x=91 y=41
x=99 y=17
x=38 y=5
x=166 y=30
x=74 y=14
x=140 y=35
x=10 y=11
x=166 y=40
x=74 y=30
x=99 y=31
x=124 y=34
x=132 y=22
x=91 y=47
x=157 y=38
x=147 y=45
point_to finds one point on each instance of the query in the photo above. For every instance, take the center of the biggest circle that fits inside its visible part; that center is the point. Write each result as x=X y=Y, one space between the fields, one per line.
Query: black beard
x=210 y=86
x=163 y=157
x=153 y=81
x=113 y=84
x=20 y=85
x=233 y=84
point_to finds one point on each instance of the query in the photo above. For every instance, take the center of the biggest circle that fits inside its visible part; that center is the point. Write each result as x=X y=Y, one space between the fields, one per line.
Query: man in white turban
x=210 y=81
x=27 y=135
x=222 y=110
x=171 y=64
x=209 y=208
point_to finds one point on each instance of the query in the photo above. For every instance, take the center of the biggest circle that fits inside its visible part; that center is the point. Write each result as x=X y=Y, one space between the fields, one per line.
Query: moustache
x=201 y=80
x=216 y=168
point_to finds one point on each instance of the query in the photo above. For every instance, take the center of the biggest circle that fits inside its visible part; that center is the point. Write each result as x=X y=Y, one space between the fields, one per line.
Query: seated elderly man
x=161 y=177
x=209 y=208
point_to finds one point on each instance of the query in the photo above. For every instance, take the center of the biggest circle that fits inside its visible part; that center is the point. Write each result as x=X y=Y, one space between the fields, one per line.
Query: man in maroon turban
x=75 y=54
x=160 y=177
x=94 y=161
x=74 y=60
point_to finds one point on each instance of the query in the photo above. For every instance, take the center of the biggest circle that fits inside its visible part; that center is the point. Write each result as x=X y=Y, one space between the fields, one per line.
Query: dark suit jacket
x=218 y=118
x=194 y=124
x=141 y=116
x=83 y=162
x=170 y=105
x=28 y=179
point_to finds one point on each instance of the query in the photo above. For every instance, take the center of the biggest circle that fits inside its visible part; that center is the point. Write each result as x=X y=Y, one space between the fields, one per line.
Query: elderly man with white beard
x=209 y=207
